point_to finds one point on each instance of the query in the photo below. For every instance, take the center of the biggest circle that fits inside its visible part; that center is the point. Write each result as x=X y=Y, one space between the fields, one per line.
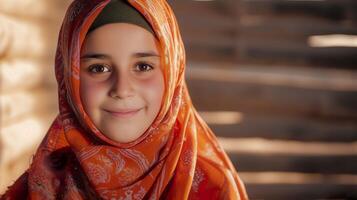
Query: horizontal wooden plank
x=229 y=35
x=271 y=25
x=255 y=98
x=252 y=53
x=290 y=44
x=328 y=9
x=203 y=53
x=291 y=26
x=208 y=41
x=303 y=77
x=304 y=92
x=280 y=50
x=261 y=146
x=204 y=8
x=212 y=15
x=301 y=191
x=318 y=2
x=297 y=178
x=288 y=163
x=272 y=184
x=206 y=21
x=287 y=128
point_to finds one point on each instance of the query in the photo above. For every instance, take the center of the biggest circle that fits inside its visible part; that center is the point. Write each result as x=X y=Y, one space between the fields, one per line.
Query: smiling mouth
x=123 y=113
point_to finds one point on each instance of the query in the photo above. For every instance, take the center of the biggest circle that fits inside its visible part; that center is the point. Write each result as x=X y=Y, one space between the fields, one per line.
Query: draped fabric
x=178 y=156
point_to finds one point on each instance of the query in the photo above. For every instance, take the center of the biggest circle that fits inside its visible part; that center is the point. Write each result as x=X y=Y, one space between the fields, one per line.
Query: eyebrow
x=105 y=56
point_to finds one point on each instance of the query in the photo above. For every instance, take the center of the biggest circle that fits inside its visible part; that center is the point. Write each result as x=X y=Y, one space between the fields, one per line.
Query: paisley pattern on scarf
x=178 y=157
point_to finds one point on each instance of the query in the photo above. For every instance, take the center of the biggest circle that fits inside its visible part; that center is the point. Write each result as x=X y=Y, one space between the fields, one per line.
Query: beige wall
x=28 y=39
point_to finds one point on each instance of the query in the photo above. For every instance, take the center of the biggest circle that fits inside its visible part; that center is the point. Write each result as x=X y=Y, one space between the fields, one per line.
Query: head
x=121 y=80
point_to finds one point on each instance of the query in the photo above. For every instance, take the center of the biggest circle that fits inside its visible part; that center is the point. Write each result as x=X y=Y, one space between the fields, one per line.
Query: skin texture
x=121 y=72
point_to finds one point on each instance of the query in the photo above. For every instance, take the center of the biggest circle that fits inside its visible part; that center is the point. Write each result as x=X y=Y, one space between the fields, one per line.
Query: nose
x=122 y=86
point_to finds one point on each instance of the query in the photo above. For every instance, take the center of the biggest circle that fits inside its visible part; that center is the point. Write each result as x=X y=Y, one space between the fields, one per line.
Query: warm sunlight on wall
x=28 y=37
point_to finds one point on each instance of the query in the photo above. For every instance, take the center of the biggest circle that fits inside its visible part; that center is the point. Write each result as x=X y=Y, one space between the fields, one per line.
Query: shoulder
x=212 y=181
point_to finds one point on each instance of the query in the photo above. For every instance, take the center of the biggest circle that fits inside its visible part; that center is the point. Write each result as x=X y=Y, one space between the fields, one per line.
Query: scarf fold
x=178 y=157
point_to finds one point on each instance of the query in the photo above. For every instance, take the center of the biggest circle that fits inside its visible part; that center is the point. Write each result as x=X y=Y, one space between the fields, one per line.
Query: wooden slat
x=209 y=17
x=200 y=53
x=254 y=98
x=287 y=128
x=261 y=146
x=331 y=9
x=277 y=185
x=229 y=36
x=274 y=25
x=288 y=163
x=292 y=52
x=280 y=48
x=301 y=191
x=277 y=50
x=293 y=76
x=297 y=178
x=327 y=10
x=211 y=21
x=211 y=41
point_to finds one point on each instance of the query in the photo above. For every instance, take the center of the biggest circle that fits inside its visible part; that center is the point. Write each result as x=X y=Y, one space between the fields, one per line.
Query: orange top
x=178 y=157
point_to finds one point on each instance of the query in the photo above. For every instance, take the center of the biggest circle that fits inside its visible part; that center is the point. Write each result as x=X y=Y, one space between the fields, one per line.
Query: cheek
x=153 y=89
x=91 y=95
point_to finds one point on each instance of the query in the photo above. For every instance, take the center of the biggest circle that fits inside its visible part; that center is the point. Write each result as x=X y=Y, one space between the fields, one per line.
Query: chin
x=124 y=137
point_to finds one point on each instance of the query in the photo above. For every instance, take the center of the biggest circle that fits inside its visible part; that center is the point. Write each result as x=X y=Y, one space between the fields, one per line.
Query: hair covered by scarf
x=178 y=157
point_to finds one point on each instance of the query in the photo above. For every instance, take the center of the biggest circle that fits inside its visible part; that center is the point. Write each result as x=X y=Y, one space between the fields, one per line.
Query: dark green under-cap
x=120 y=11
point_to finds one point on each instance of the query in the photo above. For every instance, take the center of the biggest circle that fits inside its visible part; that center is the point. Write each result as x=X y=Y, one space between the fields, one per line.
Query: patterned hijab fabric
x=178 y=157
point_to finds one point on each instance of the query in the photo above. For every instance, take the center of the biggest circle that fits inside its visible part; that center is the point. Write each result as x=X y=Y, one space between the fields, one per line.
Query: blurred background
x=275 y=79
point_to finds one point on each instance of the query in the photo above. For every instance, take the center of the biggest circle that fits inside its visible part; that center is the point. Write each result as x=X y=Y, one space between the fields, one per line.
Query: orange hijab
x=178 y=157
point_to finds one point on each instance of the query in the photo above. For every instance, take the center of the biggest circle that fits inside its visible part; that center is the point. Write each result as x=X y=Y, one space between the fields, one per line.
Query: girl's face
x=122 y=84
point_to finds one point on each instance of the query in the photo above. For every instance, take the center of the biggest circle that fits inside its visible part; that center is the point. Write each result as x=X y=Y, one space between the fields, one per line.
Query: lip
x=123 y=112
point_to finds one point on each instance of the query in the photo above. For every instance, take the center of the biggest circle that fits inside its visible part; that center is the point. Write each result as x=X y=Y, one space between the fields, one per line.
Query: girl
x=127 y=128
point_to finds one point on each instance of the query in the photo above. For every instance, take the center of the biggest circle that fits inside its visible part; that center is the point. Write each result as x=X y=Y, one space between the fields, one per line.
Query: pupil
x=143 y=67
x=100 y=68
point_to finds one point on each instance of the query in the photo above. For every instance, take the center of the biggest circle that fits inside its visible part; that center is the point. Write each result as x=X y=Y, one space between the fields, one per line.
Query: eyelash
x=143 y=64
x=92 y=68
x=105 y=68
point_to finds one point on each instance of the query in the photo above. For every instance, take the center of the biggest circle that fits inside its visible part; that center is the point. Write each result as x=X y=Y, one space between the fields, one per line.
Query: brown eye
x=98 y=68
x=142 y=67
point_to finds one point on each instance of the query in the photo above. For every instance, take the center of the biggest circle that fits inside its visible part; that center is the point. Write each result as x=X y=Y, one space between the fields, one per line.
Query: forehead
x=119 y=37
